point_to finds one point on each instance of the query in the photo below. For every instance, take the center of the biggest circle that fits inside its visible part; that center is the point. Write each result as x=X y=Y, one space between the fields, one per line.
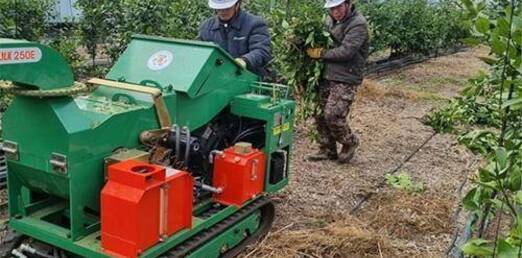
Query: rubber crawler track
x=263 y=204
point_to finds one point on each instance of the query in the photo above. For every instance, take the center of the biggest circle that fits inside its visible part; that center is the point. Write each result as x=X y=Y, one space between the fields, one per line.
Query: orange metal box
x=179 y=203
x=140 y=204
x=240 y=176
x=130 y=208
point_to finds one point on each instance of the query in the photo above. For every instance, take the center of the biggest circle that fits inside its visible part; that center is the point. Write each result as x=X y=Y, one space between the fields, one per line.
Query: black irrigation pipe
x=390 y=65
x=367 y=196
x=386 y=65
x=466 y=235
x=451 y=252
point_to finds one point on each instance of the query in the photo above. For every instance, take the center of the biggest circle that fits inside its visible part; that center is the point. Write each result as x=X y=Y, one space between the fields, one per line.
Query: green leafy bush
x=494 y=102
x=26 y=19
x=106 y=26
x=413 y=26
x=404 y=26
x=403 y=181
x=476 y=106
x=112 y=23
x=67 y=44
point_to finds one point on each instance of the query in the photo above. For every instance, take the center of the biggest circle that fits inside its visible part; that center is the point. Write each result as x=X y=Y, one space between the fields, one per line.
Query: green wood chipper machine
x=173 y=154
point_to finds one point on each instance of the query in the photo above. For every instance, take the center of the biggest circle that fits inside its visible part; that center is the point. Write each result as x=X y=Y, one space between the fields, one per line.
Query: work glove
x=314 y=53
x=241 y=62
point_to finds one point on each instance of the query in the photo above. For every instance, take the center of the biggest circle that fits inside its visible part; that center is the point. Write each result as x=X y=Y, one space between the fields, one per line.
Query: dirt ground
x=314 y=213
x=314 y=216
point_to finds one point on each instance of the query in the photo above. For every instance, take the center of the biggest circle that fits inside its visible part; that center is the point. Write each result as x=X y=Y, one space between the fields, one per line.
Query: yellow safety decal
x=279 y=129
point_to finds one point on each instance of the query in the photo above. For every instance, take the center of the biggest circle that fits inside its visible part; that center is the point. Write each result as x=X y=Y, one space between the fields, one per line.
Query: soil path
x=314 y=217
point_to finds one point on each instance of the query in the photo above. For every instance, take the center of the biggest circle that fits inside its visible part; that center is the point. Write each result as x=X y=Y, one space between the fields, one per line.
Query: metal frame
x=90 y=245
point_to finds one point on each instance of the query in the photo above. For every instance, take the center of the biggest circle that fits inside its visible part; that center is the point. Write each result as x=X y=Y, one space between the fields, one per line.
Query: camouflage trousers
x=335 y=100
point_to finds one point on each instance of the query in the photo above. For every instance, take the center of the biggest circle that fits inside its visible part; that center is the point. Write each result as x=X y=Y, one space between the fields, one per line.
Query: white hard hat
x=333 y=3
x=221 y=4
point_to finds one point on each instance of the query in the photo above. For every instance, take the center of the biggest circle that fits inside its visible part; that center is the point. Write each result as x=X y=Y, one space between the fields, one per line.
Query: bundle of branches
x=303 y=74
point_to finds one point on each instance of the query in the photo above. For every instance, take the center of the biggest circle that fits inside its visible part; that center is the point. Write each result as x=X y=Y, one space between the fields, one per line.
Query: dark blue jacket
x=245 y=36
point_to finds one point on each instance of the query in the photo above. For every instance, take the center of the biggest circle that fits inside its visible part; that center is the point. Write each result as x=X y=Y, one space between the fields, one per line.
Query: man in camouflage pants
x=342 y=75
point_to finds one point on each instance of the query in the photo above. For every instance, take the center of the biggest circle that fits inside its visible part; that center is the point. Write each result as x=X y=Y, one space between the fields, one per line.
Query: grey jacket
x=245 y=36
x=345 y=62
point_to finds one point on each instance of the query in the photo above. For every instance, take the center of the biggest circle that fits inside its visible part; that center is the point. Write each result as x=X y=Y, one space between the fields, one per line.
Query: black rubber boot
x=348 y=151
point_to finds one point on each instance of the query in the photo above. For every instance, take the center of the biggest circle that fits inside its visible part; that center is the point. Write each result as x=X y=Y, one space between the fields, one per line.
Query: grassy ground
x=314 y=217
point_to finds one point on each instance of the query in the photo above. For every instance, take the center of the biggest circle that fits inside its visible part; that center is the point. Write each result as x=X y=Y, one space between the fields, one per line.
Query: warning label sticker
x=20 y=55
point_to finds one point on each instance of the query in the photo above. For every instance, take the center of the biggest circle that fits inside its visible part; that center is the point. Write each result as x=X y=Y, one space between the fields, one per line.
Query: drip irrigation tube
x=367 y=196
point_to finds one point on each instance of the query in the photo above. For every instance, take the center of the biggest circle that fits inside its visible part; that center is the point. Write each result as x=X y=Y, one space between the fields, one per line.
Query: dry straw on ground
x=339 y=239
x=386 y=228
x=407 y=216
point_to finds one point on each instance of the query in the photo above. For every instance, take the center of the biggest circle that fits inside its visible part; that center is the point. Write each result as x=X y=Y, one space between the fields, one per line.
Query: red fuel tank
x=240 y=174
x=140 y=204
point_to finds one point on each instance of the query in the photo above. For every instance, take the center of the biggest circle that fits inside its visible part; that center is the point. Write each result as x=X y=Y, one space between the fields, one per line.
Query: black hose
x=246 y=134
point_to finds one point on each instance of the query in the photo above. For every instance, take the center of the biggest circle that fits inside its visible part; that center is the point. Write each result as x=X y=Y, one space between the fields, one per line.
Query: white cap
x=333 y=3
x=221 y=4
